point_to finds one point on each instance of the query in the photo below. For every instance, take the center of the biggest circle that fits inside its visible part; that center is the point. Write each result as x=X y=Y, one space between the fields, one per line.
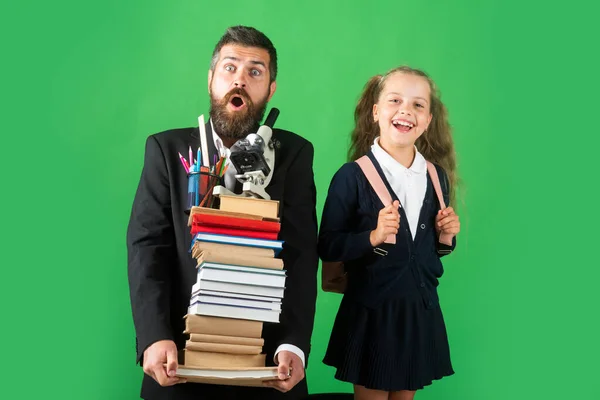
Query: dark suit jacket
x=162 y=271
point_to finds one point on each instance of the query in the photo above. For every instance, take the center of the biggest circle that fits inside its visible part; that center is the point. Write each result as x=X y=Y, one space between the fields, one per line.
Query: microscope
x=253 y=158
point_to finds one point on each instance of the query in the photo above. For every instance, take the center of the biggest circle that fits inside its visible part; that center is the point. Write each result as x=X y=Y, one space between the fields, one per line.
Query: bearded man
x=161 y=271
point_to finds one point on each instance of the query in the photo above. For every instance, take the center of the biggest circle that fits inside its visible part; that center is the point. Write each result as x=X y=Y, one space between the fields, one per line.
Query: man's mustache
x=240 y=92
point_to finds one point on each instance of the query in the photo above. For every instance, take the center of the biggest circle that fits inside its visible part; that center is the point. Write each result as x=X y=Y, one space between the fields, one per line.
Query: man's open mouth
x=237 y=102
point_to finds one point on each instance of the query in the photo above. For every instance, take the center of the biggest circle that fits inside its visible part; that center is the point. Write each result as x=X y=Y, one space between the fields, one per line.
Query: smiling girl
x=389 y=337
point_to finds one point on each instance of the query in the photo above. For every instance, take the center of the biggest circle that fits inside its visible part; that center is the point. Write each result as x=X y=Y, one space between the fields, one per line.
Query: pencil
x=184 y=163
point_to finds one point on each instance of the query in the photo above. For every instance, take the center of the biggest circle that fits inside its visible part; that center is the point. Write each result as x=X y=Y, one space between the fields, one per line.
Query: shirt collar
x=418 y=166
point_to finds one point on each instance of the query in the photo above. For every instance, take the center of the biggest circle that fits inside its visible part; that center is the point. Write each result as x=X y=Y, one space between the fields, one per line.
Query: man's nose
x=240 y=80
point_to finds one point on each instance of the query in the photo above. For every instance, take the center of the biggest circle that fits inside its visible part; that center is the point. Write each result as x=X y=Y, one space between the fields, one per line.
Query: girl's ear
x=376 y=113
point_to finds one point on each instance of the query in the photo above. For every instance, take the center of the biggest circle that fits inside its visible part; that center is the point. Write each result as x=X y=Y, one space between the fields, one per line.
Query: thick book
x=250 y=205
x=222 y=326
x=228 y=376
x=225 y=221
x=203 y=337
x=275 y=245
x=223 y=360
x=223 y=348
x=241 y=251
x=228 y=288
x=213 y=211
x=218 y=310
x=240 y=274
x=196 y=290
x=232 y=300
x=236 y=259
x=219 y=230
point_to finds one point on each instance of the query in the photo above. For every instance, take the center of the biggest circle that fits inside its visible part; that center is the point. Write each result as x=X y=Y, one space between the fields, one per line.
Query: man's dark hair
x=248 y=37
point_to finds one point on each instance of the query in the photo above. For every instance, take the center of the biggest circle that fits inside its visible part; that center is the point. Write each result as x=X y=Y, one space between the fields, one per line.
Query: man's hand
x=155 y=356
x=290 y=371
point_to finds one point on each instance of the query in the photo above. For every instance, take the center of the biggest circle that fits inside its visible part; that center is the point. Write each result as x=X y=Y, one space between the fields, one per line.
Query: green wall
x=84 y=83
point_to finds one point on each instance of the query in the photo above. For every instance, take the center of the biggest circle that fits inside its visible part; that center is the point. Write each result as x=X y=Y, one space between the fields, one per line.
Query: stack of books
x=240 y=285
x=223 y=343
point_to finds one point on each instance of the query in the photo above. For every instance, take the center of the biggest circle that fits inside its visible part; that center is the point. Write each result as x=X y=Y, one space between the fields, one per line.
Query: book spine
x=223 y=326
x=223 y=348
x=204 y=359
x=201 y=337
x=233 y=232
x=236 y=223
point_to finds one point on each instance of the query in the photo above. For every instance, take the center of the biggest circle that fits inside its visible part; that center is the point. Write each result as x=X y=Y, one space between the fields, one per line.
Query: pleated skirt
x=401 y=345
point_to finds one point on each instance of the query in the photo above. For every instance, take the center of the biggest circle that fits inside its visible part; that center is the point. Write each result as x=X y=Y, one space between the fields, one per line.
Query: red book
x=233 y=232
x=235 y=223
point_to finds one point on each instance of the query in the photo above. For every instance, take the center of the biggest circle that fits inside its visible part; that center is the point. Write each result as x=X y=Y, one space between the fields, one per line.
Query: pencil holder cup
x=200 y=187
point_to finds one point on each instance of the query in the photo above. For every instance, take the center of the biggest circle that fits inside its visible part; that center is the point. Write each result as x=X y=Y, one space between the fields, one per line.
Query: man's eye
x=255 y=72
x=229 y=68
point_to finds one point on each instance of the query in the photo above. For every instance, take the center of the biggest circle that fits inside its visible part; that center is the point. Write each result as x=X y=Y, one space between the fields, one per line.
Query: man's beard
x=236 y=124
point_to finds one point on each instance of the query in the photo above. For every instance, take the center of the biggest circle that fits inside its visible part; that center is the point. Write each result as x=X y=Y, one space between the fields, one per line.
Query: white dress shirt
x=224 y=152
x=230 y=184
x=409 y=184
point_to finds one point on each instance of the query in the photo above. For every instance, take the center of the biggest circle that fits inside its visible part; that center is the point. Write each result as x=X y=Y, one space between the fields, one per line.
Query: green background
x=84 y=83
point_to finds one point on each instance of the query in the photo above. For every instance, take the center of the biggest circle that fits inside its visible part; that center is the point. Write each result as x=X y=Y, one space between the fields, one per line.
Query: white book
x=248 y=278
x=199 y=291
x=236 y=288
x=217 y=310
x=232 y=301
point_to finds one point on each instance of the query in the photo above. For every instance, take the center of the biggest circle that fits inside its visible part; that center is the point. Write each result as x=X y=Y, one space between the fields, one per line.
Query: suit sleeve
x=299 y=233
x=338 y=240
x=151 y=248
x=444 y=249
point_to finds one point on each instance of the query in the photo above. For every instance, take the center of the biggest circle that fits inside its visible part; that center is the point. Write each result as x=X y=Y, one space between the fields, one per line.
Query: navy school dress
x=389 y=333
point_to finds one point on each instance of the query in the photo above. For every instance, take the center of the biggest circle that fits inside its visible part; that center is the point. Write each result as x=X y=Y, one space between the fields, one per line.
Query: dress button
x=412 y=258
x=422 y=284
x=422 y=226
x=430 y=302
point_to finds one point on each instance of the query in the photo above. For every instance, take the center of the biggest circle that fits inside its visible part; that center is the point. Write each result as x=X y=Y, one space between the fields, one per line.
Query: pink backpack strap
x=444 y=238
x=377 y=184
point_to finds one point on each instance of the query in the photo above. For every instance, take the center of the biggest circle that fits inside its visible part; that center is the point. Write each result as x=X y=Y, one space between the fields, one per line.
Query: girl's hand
x=447 y=222
x=388 y=223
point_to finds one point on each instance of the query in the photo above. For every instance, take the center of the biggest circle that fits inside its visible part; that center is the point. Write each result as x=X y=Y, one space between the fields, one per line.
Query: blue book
x=275 y=245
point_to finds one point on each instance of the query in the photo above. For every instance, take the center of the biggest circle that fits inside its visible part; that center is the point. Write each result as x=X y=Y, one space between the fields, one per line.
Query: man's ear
x=210 y=74
x=272 y=89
